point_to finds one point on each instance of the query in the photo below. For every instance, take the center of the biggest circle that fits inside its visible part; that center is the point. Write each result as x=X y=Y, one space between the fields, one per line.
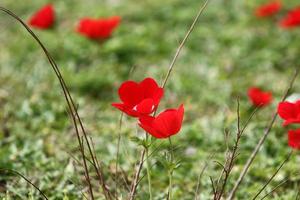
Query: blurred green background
x=229 y=51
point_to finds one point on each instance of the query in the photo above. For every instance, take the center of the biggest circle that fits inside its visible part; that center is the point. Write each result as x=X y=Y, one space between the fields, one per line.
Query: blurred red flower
x=292 y=19
x=101 y=28
x=294 y=138
x=43 y=18
x=268 y=9
x=139 y=98
x=290 y=112
x=258 y=97
x=166 y=124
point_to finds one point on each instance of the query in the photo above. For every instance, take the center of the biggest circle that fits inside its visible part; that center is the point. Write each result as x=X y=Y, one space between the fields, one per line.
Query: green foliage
x=229 y=51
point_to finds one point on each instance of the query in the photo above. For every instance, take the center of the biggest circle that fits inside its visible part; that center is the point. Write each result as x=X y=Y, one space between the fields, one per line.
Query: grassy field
x=229 y=51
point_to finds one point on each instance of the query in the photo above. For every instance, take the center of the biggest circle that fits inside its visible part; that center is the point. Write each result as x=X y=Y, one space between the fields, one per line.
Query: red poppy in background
x=166 y=124
x=139 y=99
x=101 y=28
x=294 y=138
x=290 y=112
x=258 y=97
x=292 y=19
x=268 y=9
x=43 y=18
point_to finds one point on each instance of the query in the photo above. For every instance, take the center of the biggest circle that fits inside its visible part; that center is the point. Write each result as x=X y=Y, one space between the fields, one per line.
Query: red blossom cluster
x=95 y=29
x=101 y=28
x=43 y=18
x=268 y=9
x=258 y=97
x=141 y=100
x=290 y=112
x=290 y=20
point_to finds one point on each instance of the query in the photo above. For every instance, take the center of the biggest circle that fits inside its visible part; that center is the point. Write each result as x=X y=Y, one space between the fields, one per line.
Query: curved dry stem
x=70 y=103
x=26 y=179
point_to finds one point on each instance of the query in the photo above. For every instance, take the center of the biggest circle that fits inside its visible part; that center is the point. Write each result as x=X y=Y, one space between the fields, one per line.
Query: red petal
x=169 y=122
x=130 y=93
x=124 y=108
x=291 y=121
x=151 y=90
x=44 y=18
x=145 y=107
x=114 y=22
x=149 y=86
x=294 y=138
x=181 y=113
x=258 y=97
x=83 y=26
x=98 y=28
x=268 y=9
x=287 y=110
x=292 y=19
x=157 y=96
x=146 y=122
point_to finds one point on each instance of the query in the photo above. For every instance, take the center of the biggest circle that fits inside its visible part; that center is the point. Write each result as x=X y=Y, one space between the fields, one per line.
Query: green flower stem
x=148 y=166
x=148 y=173
x=171 y=171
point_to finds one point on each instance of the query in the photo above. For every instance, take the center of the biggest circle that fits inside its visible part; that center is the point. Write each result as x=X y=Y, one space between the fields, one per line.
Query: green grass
x=229 y=51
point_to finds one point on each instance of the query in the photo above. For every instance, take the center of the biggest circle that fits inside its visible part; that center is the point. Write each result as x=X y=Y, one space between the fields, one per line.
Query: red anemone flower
x=165 y=125
x=139 y=98
x=258 y=97
x=268 y=9
x=290 y=112
x=292 y=19
x=43 y=18
x=95 y=29
x=294 y=138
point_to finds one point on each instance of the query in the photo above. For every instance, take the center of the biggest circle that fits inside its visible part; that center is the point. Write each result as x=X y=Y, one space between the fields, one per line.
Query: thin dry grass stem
x=83 y=164
x=275 y=188
x=200 y=177
x=26 y=179
x=279 y=185
x=84 y=196
x=98 y=164
x=137 y=174
x=181 y=45
x=226 y=139
x=118 y=152
x=199 y=182
x=298 y=195
x=231 y=156
x=132 y=69
x=262 y=140
x=85 y=167
x=143 y=176
x=273 y=176
x=74 y=158
x=155 y=150
x=87 y=176
x=148 y=172
x=171 y=171
x=70 y=103
x=125 y=180
x=213 y=186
